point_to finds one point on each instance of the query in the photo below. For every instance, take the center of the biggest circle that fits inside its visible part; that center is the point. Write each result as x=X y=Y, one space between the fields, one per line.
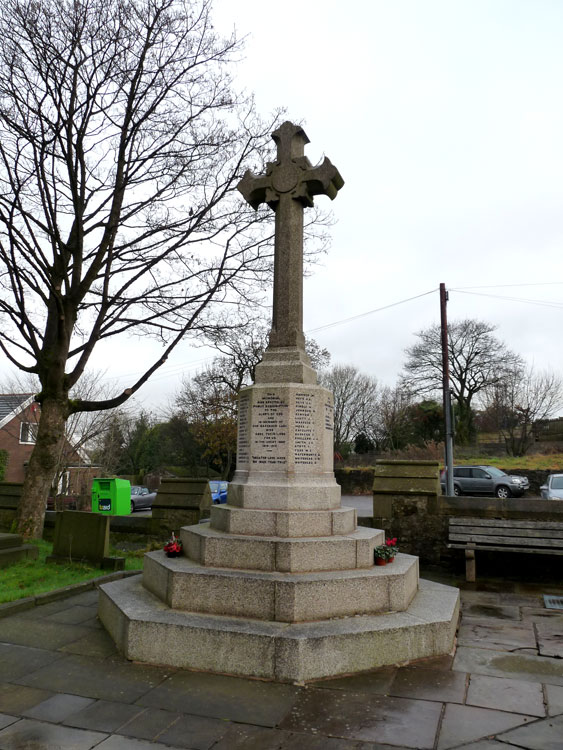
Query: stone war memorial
x=281 y=584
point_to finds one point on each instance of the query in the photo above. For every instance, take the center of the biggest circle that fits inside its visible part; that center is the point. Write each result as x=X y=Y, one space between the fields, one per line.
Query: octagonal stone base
x=218 y=549
x=186 y=585
x=145 y=629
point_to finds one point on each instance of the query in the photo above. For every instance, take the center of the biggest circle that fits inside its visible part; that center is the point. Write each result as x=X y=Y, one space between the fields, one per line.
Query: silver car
x=485 y=480
x=553 y=487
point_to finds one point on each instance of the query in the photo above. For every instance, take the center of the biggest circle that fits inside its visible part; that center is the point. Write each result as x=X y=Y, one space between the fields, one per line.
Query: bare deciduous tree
x=355 y=395
x=478 y=360
x=121 y=144
x=524 y=397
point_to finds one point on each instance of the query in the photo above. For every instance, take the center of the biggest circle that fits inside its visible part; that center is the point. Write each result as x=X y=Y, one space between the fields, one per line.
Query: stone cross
x=287 y=187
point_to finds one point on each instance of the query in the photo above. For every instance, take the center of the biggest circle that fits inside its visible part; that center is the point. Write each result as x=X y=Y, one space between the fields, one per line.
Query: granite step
x=10 y=540
x=11 y=555
x=217 y=549
x=283 y=523
x=146 y=630
x=282 y=597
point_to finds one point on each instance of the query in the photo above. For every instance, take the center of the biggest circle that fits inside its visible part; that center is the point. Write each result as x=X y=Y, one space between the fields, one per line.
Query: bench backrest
x=499 y=532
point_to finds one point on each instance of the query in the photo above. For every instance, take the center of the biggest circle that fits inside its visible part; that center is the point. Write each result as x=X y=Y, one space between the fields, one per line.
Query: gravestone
x=83 y=537
x=281 y=584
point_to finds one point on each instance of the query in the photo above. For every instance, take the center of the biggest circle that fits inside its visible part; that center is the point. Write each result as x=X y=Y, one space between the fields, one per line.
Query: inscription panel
x=329 y=416
x=243 y=438
x=306 y=449
x=269 y=431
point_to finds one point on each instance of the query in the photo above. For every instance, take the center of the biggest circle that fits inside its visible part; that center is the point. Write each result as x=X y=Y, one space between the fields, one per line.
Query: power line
x=540 y=303
x=370 y=312
x=502 y=286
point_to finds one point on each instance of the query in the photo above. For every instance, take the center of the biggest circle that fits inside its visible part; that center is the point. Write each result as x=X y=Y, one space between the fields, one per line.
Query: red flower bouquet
x=173 y=547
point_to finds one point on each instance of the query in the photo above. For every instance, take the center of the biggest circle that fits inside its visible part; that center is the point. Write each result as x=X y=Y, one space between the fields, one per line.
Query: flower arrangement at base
x=392 y=548
x=173 y=546
x=385 y=553
x=380 y=555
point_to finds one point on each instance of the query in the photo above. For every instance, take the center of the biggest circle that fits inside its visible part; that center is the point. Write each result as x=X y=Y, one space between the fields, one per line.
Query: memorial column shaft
x=287 y=316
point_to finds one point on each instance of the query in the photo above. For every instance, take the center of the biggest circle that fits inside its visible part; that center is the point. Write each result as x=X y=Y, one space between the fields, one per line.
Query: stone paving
x=64 y=686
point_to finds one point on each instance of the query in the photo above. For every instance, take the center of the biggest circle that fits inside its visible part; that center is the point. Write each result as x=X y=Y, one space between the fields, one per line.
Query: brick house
x=19 y=419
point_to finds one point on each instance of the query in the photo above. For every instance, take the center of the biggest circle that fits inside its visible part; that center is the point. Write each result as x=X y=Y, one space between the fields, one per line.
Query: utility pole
x=447 y=401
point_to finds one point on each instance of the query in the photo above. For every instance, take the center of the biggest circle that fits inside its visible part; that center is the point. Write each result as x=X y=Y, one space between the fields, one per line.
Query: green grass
x=32 y=577
x=533 y=462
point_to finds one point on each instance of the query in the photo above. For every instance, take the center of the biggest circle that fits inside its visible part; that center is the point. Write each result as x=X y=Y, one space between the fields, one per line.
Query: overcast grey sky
x=445 y=119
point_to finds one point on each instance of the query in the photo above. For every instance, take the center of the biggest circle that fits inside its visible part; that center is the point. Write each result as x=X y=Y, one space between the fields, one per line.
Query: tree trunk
x=42 y=469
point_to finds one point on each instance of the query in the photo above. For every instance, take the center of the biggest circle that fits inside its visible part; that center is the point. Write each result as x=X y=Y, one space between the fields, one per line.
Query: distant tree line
x=493 y=390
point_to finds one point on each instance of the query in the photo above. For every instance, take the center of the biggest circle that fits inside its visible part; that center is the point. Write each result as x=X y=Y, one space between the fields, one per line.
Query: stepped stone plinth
x=280 y=583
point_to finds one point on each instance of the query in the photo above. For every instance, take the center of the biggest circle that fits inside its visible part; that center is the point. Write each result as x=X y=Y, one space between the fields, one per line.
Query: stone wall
x=354 y=481
x=10 y=493
x=405 y=508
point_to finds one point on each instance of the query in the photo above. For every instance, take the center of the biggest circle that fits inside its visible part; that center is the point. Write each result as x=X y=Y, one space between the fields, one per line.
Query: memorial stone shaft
x=287 y=187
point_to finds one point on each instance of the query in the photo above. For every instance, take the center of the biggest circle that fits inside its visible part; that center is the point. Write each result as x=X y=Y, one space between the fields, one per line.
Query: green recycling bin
x=111 y=496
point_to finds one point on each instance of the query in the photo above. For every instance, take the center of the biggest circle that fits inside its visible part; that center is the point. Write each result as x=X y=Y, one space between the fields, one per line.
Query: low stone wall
x=10 y=493
x=354 y=481
x=406 y=508
x=179 y=502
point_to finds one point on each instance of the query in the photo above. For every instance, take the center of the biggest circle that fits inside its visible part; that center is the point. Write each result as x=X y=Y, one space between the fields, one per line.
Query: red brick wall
x=18 y=453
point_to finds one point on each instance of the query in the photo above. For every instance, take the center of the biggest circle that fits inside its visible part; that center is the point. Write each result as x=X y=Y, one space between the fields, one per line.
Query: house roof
x=12 y=404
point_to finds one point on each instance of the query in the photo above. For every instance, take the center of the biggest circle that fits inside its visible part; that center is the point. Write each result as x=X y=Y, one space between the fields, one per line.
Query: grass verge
x=33 y=577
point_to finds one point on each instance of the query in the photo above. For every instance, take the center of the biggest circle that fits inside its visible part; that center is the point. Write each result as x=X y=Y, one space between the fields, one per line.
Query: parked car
x=485 y=480
x=553 y=487
x=141 y=498
x=218 y=491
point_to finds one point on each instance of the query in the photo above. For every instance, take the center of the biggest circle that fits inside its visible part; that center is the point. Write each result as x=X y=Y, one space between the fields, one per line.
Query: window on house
x=28 y=432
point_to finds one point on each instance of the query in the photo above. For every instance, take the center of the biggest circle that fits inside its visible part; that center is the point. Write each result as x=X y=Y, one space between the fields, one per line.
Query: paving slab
x=538 y=614
x=479 y=597
x=378 y=682
x=148 y=724
x=92 y=678
x=87 y=598
x=520 y=599
x=105 y=716
x=517 y=696
x=6 y=720
x=434 y=662
x=503 y=664
x=546 y=734
x=195 y=732
x=550 y=637
x=371 y=718
x=18 y=661
x=38 y=612
x=492 y=611
x=57 y=708
x=486 y=745
x=51 y=635
x=251 y=701
x=462 y=724
x=554 y=695
x=75 y=615
x=240 y=737
x=14 y=699
x=116 y=742
x=429 y=684
x=40 y=735
x=500 y=636
x=99 y=643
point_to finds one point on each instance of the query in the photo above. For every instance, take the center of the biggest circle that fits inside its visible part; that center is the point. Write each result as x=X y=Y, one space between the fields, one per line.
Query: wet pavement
x=63 y=686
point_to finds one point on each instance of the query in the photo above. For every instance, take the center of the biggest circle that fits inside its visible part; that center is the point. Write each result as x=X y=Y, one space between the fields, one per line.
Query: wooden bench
x=496 y=535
